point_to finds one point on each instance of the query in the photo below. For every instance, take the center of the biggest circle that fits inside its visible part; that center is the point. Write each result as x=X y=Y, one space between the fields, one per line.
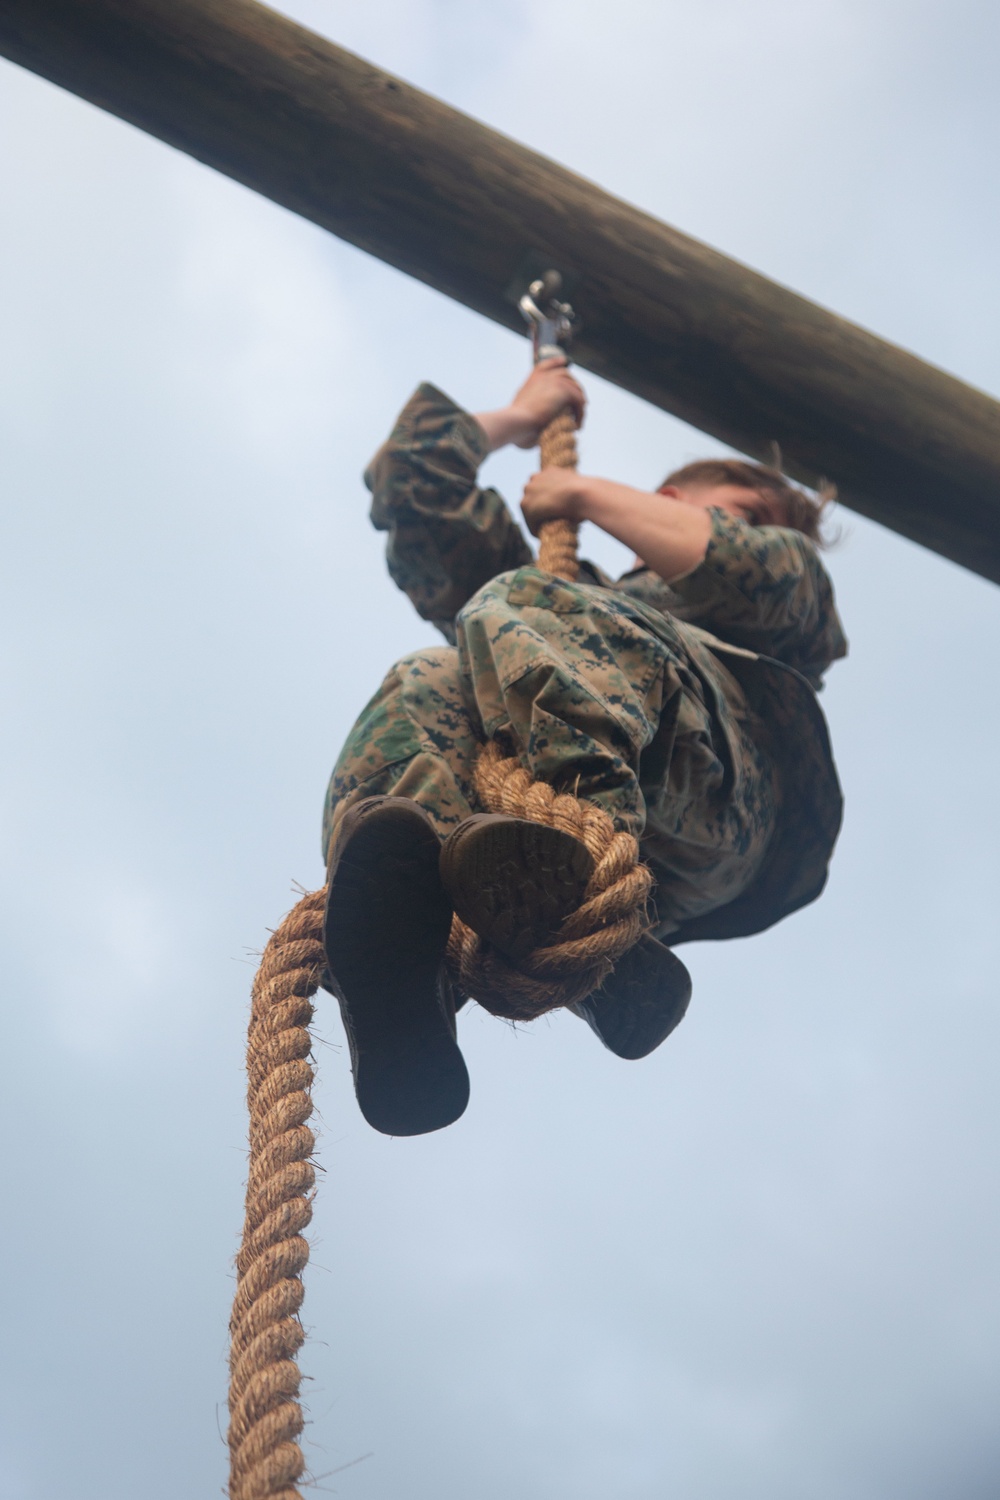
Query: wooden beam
x=459 y=206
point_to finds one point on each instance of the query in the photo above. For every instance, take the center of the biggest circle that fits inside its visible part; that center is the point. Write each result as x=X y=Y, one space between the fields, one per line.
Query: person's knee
x=433 y=663
x=530 y=595
x=429 y=682
x=491 y=598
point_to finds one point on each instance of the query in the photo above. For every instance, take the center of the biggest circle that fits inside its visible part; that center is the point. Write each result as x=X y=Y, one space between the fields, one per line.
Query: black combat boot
x=640 y=1004
x=385 y=931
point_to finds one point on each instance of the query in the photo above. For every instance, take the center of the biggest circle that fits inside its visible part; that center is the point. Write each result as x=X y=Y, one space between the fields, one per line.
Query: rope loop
x=610 y=919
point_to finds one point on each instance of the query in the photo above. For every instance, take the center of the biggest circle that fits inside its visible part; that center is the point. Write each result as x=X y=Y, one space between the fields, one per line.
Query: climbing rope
x=265 y=1415
x=265 y=1418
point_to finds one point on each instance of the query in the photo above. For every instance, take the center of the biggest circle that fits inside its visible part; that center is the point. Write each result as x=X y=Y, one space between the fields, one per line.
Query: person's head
x=753 y=492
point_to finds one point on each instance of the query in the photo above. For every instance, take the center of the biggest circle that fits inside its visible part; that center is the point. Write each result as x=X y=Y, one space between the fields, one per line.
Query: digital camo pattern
x=415 y=738
x=648 y=698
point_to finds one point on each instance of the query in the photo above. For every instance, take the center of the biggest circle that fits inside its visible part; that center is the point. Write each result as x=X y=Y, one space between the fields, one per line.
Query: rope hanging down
x=265 y=1417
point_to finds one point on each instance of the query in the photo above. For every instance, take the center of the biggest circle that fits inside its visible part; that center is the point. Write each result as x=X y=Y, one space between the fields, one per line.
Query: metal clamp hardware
x=551 y=321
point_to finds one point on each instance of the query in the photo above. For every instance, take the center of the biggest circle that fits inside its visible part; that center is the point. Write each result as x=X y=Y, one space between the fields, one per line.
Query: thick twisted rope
x=610 y=919
x=265 y=1418
x=557 y=539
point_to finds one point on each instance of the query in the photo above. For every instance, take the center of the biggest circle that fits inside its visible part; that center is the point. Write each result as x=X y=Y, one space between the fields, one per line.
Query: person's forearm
x=670 y=537
x=548 y=390
x=508 y=425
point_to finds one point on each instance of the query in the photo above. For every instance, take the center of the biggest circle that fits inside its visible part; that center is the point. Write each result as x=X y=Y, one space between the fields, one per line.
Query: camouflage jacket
x=760 y=607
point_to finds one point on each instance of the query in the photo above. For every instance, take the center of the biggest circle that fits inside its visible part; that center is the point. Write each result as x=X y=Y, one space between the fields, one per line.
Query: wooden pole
x=465 y=209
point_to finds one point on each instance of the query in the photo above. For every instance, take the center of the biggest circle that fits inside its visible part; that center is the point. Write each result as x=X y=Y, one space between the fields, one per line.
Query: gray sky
x=762 y=1263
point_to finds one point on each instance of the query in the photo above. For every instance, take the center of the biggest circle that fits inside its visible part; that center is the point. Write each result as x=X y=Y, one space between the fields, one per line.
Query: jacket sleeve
x=764 y=588
x=446 y=536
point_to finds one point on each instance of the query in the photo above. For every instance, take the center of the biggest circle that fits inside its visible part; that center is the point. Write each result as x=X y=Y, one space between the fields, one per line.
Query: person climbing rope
x=678 y=701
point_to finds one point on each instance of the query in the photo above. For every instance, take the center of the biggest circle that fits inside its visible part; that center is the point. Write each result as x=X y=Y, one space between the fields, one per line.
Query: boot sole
x=385 y=930
x=514 y=881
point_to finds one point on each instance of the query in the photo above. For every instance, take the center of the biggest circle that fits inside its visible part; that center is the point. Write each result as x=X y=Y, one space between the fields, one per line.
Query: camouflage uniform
x=688 y=710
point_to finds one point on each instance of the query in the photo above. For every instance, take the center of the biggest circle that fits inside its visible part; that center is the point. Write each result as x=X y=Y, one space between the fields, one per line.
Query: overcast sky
x=760 y=1264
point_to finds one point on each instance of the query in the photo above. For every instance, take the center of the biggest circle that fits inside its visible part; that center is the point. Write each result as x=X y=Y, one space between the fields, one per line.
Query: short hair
x=798 y=509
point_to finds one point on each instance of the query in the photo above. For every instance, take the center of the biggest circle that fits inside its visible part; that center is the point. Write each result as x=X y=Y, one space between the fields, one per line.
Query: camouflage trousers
x=593 y=702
